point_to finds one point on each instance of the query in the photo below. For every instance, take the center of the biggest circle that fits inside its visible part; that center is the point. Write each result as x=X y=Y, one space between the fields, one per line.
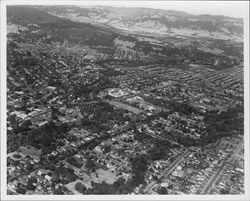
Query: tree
x=58 y=192
x=102 y=188
x=119 y=182
x=50 y=167
x=108 y=97
x=107 y=149
x=139 y=167
x=90 y=164
x=29 y=167
x=20 y=190
x=56 y=178
x=46 y=139
x=54 y=112
x=224 y=191
x=25 y=125
x=80 y=187
x=162 y=191
x=12 y=119
x=30 y=185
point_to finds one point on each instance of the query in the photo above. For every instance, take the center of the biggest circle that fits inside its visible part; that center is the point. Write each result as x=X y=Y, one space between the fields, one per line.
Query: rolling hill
x=136 y=34
x=151 y=21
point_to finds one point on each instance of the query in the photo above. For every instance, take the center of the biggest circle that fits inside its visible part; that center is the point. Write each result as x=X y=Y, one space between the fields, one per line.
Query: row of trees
x=75 y=162
x=120 y=186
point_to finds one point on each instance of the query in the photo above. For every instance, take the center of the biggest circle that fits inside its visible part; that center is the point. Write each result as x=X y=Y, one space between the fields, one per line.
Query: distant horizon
x=234 y=9
x=92 y=6
x=220 y=8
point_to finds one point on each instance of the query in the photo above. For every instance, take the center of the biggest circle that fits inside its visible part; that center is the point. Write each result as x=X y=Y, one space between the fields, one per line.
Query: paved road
x=163 y=138
x=167 y=172
x=213 y=179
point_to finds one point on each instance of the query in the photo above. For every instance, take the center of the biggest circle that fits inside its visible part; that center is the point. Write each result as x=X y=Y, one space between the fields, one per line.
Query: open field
x=125 y=107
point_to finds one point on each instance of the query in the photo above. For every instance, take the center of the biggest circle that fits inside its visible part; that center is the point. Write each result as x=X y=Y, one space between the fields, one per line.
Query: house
x=98 y=149
x=48 y=177
x=11 y=185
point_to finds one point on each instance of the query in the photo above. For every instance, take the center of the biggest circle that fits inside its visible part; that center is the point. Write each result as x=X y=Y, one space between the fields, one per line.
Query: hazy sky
x=228 y=8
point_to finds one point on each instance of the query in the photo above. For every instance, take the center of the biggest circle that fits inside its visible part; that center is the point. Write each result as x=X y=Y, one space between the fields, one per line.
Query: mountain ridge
x=146 y=20
x=38 y=24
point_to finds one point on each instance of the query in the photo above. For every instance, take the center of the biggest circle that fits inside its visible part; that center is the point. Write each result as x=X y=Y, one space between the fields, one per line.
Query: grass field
x=125 y=107
x=71 y=187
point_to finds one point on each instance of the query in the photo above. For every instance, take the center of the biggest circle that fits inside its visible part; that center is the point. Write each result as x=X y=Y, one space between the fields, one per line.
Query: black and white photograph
x=124 y=100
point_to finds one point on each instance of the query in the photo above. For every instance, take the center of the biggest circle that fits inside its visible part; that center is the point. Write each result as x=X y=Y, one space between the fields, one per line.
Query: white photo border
x=4 y=196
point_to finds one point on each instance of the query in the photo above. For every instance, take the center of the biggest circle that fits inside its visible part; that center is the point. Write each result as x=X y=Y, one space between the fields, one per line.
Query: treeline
x=217 y=125
x=173 y=106
x=44 y=137
x=102 y=83
x=223 y=124
x=111 y=72
x=103 y=114
x=120 y=186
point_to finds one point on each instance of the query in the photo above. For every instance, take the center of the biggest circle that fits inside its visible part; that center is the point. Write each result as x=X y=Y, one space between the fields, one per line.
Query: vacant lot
x=104 y=175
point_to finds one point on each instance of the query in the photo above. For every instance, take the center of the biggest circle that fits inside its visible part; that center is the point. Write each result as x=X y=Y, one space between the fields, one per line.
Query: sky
x=229 y=8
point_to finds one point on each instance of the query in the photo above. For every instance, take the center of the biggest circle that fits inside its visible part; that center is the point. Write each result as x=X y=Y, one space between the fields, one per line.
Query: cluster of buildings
x=87 y=154
x=230 y=181
x=175 y=127
x=139 y=102
x=191 y=174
